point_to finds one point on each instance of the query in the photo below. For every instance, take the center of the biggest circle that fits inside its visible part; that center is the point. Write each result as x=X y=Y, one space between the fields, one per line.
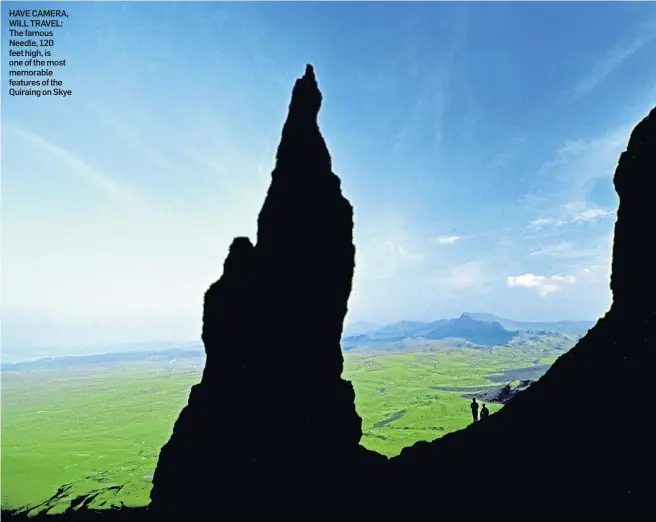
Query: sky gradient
x=477 y=143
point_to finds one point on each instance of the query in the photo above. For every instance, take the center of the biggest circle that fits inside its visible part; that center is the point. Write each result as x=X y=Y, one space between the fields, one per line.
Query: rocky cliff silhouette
x=271 y=431
x=579 y=442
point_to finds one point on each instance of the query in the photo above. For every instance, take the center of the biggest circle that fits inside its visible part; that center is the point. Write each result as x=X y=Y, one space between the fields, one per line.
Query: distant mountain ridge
x=478 y=328
x=571 y=327
x=190 y=351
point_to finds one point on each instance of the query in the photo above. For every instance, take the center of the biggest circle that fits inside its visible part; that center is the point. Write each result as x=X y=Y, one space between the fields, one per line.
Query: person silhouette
x=474 y=408
x=484 y=412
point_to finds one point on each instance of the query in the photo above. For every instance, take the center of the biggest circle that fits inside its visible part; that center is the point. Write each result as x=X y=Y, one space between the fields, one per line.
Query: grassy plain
x=96 y=426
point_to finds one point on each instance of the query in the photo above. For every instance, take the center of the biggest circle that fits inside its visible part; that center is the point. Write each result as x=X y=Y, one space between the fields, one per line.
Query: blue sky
x=477 y=143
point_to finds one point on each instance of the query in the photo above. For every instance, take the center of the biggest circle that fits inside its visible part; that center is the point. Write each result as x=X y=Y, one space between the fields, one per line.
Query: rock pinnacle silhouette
x=272 y=420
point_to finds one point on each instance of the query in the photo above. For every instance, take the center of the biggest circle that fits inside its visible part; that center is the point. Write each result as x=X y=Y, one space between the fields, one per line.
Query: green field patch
x=98 y=429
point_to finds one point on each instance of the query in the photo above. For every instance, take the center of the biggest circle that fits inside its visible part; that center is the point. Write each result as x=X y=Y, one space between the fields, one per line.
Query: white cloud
x=447 y=240
x=545 y=285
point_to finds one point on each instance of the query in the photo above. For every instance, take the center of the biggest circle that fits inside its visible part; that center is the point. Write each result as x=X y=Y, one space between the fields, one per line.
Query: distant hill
x=571 y=327
x=477 y=328
x=190 y=351
x=12 y=355
x=359 y=328
x=484 y=333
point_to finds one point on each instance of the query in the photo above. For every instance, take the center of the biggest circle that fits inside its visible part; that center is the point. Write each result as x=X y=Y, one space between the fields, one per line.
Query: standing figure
x=474 y=408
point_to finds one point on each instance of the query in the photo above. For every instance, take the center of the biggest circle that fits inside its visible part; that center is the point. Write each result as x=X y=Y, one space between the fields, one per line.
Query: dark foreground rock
x=271 y=431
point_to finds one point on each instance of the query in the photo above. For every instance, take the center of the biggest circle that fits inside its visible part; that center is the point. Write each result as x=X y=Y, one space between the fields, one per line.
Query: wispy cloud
x=582 y=215
x=396 y=249
x=431 y=99
x=223 y=171
x=505 y=243
x=569 y=175
x=566 y=250
x=591 y=214
x=572 y=221
x=614 y=59
x=503 y=160
x=563 y=249
x=544 y=285
x=129 y=134
x=540 y=222
x=466 y=275
x=597 y=273
x=388 y=246
x=109 y=186
x=563 y=191
x=447 y=240
x=431 y=76
x=385 y=258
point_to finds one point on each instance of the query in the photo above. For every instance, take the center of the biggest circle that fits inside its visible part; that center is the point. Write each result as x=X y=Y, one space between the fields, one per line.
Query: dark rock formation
x=501 y=394
x=272 y=427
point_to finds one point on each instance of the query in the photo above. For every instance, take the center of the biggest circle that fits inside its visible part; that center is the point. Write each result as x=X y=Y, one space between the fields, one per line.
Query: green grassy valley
x=98 y=426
